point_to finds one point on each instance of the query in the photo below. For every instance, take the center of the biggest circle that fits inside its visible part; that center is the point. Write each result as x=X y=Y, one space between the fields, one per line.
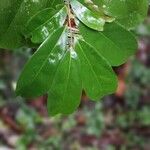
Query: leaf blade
x=97 y=75
x=65 y=92
x=37 y=74
x=40 y=26
x=86 y=16
x=115 y=43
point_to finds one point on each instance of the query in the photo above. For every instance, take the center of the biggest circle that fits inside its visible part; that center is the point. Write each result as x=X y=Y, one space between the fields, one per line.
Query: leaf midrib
x=68 y=75
x=91 y=66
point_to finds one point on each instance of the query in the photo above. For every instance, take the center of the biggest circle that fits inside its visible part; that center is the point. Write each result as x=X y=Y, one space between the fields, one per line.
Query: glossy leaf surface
x=97 y=75
x=87 y=16
x=40 y=26
x=55 y=70
x=115 y=43
x=39 y=70
x=66 y=88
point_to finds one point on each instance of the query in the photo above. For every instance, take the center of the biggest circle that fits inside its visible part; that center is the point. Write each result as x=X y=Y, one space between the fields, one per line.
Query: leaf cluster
x=79 y=42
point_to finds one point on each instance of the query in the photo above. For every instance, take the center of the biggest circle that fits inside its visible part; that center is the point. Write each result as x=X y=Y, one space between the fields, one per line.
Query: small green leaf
x=115 y=43
x=97 y=75
x=86 y=16
x=40 y=26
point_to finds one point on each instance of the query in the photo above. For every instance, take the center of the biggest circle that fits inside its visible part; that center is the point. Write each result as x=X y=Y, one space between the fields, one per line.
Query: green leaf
x=13 y=16
x=66 y=88
x=128 y=13
x=115 y=43
x=36 y=77
x=86 y=16
x=97 y=75
x=41 y=25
